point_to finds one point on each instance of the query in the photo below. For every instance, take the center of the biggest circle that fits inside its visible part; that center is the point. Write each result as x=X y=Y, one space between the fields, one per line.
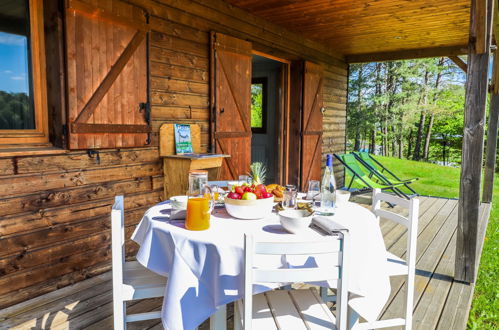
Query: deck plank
x=456 y=310
x=432 y=242
x=440 y=302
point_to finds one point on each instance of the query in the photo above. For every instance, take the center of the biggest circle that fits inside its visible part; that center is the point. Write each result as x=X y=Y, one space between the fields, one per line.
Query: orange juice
x=198 y=214
x=216 y=195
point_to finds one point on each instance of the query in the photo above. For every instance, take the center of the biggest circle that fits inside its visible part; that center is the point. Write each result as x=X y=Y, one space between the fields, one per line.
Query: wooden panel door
x=231 y=103
x=107 y=74
x=311 y=143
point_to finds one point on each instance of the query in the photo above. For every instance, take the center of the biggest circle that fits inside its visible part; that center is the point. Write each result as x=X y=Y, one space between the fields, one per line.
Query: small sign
x=183 y=140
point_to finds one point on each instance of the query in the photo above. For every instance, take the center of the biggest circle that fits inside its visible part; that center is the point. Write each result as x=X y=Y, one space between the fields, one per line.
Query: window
x=259 y=105
x=22 y=77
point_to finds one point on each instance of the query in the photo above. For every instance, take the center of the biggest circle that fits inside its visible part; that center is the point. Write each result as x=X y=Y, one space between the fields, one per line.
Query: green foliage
x=257 y=105
x=389 y=99
x=15 y=111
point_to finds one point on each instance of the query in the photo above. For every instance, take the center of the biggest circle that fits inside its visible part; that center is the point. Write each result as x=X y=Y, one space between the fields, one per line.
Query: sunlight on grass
x=441 y=181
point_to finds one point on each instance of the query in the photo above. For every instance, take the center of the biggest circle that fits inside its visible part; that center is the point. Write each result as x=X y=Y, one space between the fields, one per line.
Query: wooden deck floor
x=440 y=302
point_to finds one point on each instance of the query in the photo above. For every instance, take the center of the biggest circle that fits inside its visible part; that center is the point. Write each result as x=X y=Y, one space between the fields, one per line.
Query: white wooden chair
x=131 y=281
x=293 y=309
x=397 y=266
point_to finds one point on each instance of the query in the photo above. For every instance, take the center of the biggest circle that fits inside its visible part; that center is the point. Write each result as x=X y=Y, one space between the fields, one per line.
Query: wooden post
x=490 y=160
x=472 y=150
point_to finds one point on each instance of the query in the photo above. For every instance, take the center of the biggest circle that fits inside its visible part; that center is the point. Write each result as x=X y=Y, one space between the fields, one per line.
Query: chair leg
x=119 y=314
x=237 y=317
x=218 y=320
x=353 y=318
x=409 y=307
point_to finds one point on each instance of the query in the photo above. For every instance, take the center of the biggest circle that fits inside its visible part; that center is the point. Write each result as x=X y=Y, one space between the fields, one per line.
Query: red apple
x=239 y=190
x=234 y=195
x=261 y=187
x=267 y=195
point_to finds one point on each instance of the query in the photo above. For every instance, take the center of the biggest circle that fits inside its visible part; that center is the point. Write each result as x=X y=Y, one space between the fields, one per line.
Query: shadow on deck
x=440 y=301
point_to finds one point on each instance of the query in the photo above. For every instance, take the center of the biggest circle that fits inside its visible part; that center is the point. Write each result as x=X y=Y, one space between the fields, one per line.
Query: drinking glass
x=200 y=202
x=289 y=197
x=314 y=189
x=244 y=179
x=216 y=193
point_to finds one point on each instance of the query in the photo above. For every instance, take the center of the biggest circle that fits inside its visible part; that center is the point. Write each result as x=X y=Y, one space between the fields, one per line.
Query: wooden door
x=107 y=74
x=231 y=103
x=311 y=132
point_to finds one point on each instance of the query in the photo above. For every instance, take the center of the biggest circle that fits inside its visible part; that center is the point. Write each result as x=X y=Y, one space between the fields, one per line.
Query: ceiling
x=362 y=28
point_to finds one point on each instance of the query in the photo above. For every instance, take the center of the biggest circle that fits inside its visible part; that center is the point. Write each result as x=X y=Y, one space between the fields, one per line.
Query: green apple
x=249 y=196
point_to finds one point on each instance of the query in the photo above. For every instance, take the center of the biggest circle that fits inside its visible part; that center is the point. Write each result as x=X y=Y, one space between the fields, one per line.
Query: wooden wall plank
x=23 y=184
x=80 y=160
x=49 y=217
x=68 y=196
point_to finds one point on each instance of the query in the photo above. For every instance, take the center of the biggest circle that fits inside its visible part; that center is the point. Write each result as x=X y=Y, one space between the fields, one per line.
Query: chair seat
x=139 y=282
x=396 y=265
x=293 y=309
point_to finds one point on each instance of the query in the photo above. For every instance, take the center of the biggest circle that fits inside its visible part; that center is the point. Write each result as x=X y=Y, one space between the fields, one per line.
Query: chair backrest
x=352 y=164
x=410 y=221
x=367 y=159
x=336 y=244
x=118 y=239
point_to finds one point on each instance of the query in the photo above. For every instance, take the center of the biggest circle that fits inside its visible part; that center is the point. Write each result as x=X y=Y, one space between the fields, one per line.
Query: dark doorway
x=266 y=94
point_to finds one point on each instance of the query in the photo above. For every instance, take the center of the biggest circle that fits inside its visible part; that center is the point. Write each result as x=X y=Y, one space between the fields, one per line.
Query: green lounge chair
x=374 y=165
x=359 y=176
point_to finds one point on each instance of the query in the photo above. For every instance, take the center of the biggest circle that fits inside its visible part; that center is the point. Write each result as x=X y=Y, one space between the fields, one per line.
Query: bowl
x=249 y=209
x=342 y=197
x=179 y=207
x=295 y=221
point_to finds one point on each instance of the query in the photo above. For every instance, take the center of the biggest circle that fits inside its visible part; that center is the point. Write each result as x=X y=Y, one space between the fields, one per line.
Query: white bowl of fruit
x=249 y=202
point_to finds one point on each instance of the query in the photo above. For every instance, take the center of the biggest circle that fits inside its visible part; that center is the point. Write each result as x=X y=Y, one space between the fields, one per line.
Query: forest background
x=409 y=109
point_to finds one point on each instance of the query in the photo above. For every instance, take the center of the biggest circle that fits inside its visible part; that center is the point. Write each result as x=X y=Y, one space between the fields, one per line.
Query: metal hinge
x=146 y=106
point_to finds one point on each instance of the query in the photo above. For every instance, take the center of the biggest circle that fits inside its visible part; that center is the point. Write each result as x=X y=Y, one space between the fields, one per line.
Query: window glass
x=257 y=105
x=16 y=104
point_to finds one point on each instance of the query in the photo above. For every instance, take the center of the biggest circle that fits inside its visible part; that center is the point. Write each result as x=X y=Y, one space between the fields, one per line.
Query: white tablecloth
x=205 y=268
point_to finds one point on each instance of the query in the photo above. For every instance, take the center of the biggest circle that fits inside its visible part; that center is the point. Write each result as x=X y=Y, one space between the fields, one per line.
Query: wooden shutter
x=311 y=153
x=106 y=74
x=231 y=103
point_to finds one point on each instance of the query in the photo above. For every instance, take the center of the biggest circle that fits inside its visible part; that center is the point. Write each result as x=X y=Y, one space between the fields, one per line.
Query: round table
x=205 y=268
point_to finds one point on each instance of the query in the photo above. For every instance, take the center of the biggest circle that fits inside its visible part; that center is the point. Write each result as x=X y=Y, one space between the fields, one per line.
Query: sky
x=13 y=63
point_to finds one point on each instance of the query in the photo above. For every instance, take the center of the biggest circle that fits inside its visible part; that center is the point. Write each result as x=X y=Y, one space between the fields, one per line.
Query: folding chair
x=293 y=309
x=131 y=280
x=360 y=177
x=372 y=164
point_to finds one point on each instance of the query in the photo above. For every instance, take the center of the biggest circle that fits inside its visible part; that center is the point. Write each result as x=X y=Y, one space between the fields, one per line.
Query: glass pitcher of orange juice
x=200 y=202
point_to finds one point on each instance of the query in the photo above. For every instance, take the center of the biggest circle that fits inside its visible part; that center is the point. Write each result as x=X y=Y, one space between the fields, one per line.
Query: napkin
x=327 y=225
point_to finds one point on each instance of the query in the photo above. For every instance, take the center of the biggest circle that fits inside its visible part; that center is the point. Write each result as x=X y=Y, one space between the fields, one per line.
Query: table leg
x=218 y=321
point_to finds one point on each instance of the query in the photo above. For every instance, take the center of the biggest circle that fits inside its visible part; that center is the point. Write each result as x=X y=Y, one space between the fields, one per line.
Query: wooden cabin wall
x=54 y=209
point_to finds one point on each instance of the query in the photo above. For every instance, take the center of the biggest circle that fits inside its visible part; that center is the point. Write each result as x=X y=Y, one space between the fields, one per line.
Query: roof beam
x=408 y=54
x=459 y=62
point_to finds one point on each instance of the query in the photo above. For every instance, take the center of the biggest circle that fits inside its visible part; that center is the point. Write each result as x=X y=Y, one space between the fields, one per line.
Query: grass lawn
x=435 y=180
